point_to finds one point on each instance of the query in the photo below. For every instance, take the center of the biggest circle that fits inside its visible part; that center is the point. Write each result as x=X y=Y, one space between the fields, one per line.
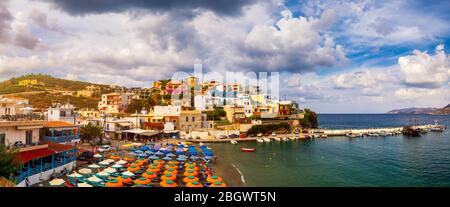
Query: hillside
x=41 y=90
x=43 y=83
x=412 y=111
x=434 y=111
x=442 y=111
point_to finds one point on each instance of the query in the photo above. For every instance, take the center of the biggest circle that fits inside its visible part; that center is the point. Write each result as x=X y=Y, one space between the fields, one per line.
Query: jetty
x=344 y=132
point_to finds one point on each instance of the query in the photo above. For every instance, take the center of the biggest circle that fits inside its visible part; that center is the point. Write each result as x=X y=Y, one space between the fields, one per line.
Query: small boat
x=323 y=136
x=285 y=139
x=277 y=139
x=351 y=135
x=233 y=141
x=437 y=129
x=260 y=140
x=248 y=149
x=266 y=140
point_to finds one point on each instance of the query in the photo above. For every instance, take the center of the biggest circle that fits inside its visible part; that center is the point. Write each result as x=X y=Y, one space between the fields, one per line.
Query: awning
x=30 y=127
x=124 y=124
x=35 y=154
x=149 y=134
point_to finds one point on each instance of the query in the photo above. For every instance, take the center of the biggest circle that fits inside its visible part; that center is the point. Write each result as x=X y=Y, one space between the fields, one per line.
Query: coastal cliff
x=432 y=111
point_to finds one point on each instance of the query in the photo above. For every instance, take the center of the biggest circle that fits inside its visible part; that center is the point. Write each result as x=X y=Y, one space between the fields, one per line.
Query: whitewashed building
x=62 y=112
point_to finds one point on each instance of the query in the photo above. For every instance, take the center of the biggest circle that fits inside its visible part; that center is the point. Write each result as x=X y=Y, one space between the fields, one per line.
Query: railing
x=38 y=169
x=21 y=117
x=61 y=139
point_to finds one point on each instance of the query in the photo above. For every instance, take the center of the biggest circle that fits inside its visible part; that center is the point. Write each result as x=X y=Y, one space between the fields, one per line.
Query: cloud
x=293 y=44
x=24 y=38
x=5 y=22
x=424 y=70
x=221 y=7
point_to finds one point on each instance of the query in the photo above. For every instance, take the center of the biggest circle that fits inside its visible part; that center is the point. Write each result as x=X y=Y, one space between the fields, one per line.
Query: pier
x=323 y=133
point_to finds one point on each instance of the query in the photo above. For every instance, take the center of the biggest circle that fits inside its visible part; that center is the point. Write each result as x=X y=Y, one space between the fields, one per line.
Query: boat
x=437 y=129
x=248 y=149
x=323 y=136
x=277 y=139
x=260 y=140
x=233 y=141
x=285 y=139
x=266 y=140
x=351 y=135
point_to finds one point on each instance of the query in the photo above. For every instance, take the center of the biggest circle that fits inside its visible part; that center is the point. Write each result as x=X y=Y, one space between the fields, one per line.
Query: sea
x=340 y=161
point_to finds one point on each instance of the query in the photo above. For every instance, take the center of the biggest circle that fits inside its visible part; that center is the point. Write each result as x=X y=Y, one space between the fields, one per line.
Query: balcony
x=61 y=139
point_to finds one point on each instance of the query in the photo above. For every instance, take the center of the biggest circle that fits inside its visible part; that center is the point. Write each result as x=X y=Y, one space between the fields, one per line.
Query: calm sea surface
x=340 y=161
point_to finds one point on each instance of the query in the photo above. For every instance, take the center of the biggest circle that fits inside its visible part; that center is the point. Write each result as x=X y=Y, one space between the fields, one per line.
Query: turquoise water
x=341 y=161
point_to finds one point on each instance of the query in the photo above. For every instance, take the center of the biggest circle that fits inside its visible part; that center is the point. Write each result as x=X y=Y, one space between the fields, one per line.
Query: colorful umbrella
x=56 y=182
x=128 y=173
x=85 y=171
x=94 y=179
x=84 y=185
x=110 y=170
x=75 y=175
x=94 y=166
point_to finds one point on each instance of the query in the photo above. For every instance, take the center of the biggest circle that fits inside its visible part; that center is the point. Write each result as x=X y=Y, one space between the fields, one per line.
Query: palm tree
x=8 y=161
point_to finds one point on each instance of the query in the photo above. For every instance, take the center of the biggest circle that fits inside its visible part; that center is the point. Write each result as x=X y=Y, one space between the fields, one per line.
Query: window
x=29 y=137
x=2 y=139
x=187 y=119
x=193 y=119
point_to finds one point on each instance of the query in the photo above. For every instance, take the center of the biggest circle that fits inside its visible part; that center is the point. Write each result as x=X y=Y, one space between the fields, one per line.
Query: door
x=29 y=137
x=2 y=139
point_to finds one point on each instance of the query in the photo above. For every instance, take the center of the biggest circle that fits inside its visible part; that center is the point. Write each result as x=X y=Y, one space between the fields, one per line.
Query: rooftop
x=58 y=124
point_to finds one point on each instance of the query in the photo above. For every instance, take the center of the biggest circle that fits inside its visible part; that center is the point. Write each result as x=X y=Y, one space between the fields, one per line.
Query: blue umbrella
x=144 y=148
x=181 y=159
x=167 y=158
x=159 y=153
x=208 y=157
x=132 y=153
x=149 y=152
x=138 y=151
x=142 y=155
x=194 y=157
x=170 y=155
x=153 y=157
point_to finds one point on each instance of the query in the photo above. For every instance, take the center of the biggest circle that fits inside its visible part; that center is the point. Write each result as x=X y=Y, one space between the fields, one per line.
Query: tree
x=90 y=132
x=217 y=114
x=9 y=164
x=310 y=120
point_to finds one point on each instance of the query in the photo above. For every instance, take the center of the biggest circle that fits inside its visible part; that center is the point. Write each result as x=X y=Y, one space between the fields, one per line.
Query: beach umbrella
x=167 y=158
x=85 y=171
x=132 y=153
x=195 y=184
x=170 y=155
x=181 y=159
x=193 y=157
x=121 y=162
x=115 y=157
x=98 y=156
x=75 y=175
x=214 y=178
x=94 y=179
x=171 y=171
x=168 y=183
x=149 y=175
x=56 y=182
x=189 y=179
x=84 y=185
x=159 y=153
x=142 y=181
x=117 y=166
x=182 y=156
x=104 y=163
x=94 y=166
x=124 y=179
x=128 y=173
x=129 y=158
x=102 y=174
x=218 y=184
x=114 y=183
x=109 y=160
x=110 y=170
x=169 y=176
x=153 y=157
x=138 y=151
x=190 y=172
x=207 y=157
x=142 y=155
x=149 y=152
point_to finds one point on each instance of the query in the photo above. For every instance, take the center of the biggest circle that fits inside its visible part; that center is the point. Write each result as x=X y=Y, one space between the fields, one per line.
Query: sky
x=353 y=56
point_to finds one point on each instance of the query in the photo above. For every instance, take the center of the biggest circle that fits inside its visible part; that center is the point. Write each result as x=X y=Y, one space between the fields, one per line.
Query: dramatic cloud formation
x=424 y=70
x=225 y=7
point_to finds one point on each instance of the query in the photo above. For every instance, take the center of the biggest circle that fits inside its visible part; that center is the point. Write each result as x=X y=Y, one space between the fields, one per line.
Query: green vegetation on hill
x=310 y=120
x=45 y=83
x=269 y=128
x=49 y=89
x=45 y=99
